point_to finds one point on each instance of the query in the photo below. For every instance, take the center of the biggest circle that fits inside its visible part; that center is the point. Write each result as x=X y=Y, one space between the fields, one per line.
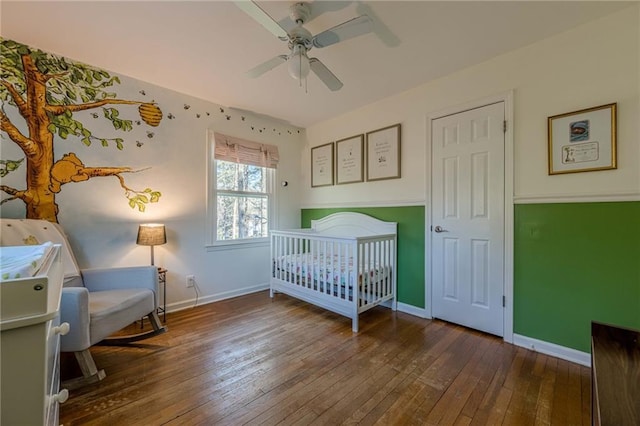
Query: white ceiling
x=204 y=48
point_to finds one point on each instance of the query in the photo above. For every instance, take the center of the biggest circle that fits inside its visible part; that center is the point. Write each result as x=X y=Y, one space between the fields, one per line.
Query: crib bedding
x=327 y=269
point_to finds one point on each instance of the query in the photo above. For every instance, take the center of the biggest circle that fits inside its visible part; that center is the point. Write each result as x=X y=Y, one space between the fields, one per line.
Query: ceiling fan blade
x=266 y=66
x=383 y=32
x=352 y=28
x=325 y=75
x=262 y=17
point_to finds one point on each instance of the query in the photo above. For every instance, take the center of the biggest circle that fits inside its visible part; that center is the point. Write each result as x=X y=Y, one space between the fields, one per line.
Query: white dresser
x=30 y=333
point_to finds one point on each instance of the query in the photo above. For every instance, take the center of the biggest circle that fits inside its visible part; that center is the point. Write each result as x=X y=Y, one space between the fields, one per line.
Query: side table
x=162 y=280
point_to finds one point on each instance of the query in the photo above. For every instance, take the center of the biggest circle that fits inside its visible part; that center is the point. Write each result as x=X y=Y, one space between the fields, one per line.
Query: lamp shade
x=151 y=234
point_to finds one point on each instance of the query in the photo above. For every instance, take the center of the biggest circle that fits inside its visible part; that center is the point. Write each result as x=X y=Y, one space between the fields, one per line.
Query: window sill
x=237 y=244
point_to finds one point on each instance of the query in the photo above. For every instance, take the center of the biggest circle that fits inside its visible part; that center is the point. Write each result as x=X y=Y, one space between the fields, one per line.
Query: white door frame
x=507 y=98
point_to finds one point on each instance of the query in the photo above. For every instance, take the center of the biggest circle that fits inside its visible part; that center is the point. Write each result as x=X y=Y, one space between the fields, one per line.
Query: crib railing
x=361 y=270
x=376 y=263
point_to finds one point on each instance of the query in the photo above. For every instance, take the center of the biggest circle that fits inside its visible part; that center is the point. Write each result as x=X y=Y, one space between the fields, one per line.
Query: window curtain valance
x=236 y=150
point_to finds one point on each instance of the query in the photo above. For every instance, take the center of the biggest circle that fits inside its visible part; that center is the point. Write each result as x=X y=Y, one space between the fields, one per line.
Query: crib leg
x=271 y=292
x=354 y=324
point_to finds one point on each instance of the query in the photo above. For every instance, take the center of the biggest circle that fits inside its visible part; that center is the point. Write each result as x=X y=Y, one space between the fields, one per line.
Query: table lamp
x=151 y=234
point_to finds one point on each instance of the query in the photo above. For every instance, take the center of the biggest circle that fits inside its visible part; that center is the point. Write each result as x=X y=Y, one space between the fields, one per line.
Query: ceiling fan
x=301 y=41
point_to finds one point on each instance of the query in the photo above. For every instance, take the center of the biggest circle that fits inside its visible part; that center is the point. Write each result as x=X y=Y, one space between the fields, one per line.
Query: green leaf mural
x=46 y=90
x=8 y=166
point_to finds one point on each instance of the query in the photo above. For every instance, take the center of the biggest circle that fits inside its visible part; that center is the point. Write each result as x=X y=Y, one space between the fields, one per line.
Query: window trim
x=211 y=243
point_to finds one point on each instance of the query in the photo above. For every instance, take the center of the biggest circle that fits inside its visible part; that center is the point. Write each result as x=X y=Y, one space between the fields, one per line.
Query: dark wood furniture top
x=615 y=364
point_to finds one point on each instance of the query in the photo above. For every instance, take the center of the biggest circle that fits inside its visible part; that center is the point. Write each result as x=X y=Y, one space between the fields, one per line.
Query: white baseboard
x=190 y=303
x=552 y=349
x=412 y=310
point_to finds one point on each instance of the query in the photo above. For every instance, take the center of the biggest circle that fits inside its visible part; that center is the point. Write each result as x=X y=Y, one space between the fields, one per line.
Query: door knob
x=439 y=229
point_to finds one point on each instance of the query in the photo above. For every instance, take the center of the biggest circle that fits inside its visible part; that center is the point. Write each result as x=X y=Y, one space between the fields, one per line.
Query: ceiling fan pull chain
x=300 y=70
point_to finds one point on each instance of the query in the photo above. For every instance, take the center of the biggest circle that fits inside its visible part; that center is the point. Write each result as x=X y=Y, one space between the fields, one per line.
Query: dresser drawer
x=54 y=396
x=53 y=347
x=30 y=345
x=24 y=374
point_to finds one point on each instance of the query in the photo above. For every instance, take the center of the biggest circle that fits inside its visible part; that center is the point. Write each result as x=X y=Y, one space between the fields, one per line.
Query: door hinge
x=504 y=126
x=504 y=301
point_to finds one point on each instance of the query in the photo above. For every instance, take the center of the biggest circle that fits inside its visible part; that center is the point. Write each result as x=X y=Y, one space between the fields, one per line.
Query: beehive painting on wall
x=46 y=92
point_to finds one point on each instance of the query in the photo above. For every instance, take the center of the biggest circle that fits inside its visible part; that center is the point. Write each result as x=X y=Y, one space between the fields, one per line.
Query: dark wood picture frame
x=322 y=168
x=350 y=160
x=383 y=153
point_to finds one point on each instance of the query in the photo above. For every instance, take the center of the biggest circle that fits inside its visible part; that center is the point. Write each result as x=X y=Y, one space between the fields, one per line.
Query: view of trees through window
x=242 y=201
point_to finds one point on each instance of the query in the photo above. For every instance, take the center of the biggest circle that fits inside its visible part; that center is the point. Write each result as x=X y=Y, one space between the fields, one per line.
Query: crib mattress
x=329 y=270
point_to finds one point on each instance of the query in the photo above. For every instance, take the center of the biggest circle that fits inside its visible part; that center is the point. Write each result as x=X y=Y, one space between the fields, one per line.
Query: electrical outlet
x=191 y=280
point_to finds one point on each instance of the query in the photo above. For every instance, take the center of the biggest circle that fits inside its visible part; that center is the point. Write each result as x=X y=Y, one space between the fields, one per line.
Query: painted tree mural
x=47 y=90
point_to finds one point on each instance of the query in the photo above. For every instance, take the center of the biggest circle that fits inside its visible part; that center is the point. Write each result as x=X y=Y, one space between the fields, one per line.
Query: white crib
x=345 y=262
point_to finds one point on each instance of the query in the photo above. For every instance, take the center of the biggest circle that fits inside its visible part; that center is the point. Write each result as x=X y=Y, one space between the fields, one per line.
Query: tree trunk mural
x=45 y=90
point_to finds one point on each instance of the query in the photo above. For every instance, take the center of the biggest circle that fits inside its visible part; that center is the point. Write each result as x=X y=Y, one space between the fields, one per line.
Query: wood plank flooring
x=254 y=361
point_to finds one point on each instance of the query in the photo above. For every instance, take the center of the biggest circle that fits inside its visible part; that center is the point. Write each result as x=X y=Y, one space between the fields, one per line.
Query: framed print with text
x=349 y=160
x=322 y=165
x=383 y=153
x=582 y=141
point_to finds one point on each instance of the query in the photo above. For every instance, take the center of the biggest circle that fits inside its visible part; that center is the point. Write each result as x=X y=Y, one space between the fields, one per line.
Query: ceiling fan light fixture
x=299 y=64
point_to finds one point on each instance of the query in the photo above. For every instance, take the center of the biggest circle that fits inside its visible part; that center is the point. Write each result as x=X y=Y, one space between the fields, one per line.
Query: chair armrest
x=74 y=309
x=102 y=279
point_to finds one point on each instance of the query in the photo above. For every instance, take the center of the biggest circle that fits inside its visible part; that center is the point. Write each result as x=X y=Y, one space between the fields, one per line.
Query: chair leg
x=155 y=322
x=90 y=373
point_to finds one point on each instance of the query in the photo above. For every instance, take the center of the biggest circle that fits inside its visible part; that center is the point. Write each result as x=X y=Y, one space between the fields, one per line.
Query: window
x=242 y=201
x=241 y=197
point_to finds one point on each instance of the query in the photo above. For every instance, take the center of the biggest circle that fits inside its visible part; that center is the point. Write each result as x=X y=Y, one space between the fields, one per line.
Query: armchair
x=95 y=302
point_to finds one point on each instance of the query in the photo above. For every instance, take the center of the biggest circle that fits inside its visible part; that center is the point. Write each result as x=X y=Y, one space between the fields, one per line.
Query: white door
x=467 y=210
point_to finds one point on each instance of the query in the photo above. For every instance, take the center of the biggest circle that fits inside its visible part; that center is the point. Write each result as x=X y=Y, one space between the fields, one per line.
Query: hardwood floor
x=249 y=360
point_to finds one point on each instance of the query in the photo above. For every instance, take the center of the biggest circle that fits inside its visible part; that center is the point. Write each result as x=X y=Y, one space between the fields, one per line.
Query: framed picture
x=383 y=153
x=582 y=141
x=322 y=165
x=349 y=160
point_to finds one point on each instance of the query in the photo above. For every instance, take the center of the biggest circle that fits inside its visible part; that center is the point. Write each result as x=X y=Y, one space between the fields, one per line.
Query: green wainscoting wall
x=574 y=263
x=410 y=244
